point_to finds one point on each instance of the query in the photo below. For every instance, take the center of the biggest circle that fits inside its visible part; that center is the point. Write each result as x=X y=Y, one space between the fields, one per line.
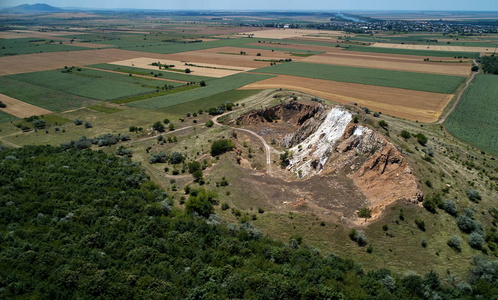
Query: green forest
x=88 y=225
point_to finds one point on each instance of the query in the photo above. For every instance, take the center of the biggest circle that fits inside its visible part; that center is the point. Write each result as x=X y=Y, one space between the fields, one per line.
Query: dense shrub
x=468 y=225
x=455 y=242
x=476 y=240
x=221 y=146
x=450 y=207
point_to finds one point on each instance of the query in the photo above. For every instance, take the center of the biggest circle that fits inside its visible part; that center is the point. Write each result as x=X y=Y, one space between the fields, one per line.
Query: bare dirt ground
x=383 y=62
x=282 y=33
x=412 y=105
x=53 y=60
x=21 y=109
x=433 y=47
x=213 y=70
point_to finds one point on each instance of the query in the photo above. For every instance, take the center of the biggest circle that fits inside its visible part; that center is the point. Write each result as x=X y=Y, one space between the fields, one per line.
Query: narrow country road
x=467 y=84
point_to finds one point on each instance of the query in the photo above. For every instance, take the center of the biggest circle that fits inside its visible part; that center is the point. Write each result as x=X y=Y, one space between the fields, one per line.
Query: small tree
x=158 y=126
x=420 y=224
x=474 y=68
x=171 y=127
x=176 y=158
x=405 y=134
x=450 y=207
x=187 y=70
x=202 y=83
x=421 y=138
x=88 y=124
x=78 y=122
x=221 y=146
x=365 y=212
x=209 y=123
x=166 y=121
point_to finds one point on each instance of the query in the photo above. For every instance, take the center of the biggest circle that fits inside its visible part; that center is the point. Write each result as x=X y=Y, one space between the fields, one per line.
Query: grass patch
x=388 y=78
x=475 y=119
x=41 y=96
x=151 y=73
x=104 y=109
x=5 y=117
x=154 y=95
x=99 y=85
x=413 y=52
x=212 y=101
x=214 y=87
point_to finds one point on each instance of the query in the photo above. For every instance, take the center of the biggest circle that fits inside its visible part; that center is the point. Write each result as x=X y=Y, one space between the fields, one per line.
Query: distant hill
x=32 y=9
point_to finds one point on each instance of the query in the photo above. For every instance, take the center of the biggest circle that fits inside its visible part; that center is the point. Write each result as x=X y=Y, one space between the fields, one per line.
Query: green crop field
x=413 y=52
x=396 y=79
x=147 y=72
x=27 y=46
x=212 y=101
x=475 y=119
x=99 y=85
x=5 y=117
x=41 y=96
x=215 y=86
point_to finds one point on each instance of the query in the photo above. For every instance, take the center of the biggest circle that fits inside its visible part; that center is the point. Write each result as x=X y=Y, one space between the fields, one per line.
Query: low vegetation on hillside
x=104 y=230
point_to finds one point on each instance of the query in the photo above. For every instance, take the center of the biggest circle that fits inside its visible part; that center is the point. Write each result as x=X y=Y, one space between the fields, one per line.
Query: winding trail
x=467 y=84
x=265 y=144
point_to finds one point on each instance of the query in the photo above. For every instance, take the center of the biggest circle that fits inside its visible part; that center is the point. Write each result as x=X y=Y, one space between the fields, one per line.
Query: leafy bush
x=405 y=134
x=176 y=158
x=209 y=123
x=468 y=225
x=221 y=146
x=78 y=122
x=473 y=195
x=158 y=126
x=476 y=240
x=420 y=224
x=421 y=138
x=455 y=242
x=450 y=207
x=158 y=158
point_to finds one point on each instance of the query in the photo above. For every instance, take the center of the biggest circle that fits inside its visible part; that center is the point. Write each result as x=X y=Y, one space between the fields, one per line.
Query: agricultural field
x=49 y=61
x=425 y=52
x=390 y=63
x=43 y=97
x=13 y=47
x=5 y=117
x=448 y=48
x=474 y=120
x=197 y=68
x=93 y=84
x=387 y=78
x=407 y=104
x=213 y=87
x=174 y=76
x=21 y=109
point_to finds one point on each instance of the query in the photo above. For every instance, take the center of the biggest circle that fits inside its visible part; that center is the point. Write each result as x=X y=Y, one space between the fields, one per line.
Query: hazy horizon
x=278 y=5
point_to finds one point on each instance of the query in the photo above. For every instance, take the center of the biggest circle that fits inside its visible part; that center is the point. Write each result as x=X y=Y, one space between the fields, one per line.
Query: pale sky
x=453 y=5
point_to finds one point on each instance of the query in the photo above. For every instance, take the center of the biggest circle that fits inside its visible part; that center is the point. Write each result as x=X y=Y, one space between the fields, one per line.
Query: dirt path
x=135 y=75
x=467 y=84
x=267 y=147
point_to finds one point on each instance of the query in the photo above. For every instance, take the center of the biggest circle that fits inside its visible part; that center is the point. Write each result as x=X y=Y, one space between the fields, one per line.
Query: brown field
x=53 y=60
x=412 y=105
x=390 y=63
x=220 y=56
x=433 y=47
x=18 y=34
x=220 y=71
x=288 y=33
x=21 y=109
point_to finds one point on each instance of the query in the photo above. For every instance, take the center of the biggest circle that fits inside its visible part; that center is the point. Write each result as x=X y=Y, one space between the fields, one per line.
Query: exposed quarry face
x=311 y=154
x=323 y=141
